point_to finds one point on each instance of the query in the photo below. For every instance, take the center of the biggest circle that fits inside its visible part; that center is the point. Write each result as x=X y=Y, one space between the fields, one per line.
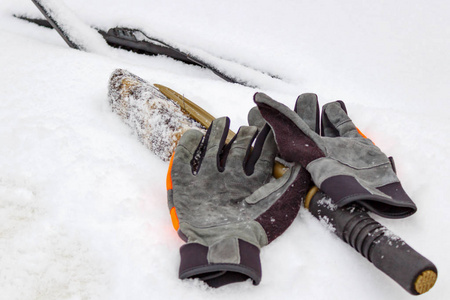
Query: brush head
x=157 y=121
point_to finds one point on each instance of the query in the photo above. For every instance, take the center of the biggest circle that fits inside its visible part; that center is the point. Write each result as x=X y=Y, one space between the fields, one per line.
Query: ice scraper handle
x=386 y=251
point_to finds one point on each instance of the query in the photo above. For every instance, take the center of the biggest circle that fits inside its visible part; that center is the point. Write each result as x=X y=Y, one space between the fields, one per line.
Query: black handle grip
x=385 y=250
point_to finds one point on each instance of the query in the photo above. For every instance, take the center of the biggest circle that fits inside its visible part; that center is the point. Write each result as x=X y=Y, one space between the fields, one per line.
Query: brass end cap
x=425 y=281
x=312 y=191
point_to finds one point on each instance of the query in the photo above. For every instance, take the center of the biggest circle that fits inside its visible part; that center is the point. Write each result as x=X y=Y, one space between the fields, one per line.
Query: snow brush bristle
x=157 y=121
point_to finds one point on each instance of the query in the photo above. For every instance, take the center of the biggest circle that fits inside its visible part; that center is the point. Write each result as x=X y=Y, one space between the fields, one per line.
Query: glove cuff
x=227 y=261
x=344 y=189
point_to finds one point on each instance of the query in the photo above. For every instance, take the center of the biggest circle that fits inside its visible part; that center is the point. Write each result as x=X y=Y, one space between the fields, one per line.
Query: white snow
x=83 y=212
x=327 y=203
x=326 y=222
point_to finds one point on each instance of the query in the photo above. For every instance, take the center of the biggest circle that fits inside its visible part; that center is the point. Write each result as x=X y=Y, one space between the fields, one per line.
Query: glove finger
x=261 y=160
x=216 y=135
x=187 y=145
x=336 y=122
x=307 y=107
x=275 y=205
x=240 y=148
x=185 y=151
x=255 y=118
x=180 y=167
x=295 y=140
x=214 y=142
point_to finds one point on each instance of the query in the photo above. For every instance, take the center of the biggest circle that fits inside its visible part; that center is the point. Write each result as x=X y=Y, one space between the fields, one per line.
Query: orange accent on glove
x=173 y=211
x=169 y=174
x=362 y=134
x=174 y=217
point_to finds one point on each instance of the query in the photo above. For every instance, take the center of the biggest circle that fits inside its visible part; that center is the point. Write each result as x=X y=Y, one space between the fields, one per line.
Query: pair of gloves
x=226 y=205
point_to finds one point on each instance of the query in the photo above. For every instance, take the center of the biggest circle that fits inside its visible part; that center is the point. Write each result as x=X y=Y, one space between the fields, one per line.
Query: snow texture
x=327 y=223
x=77 y=31
x=83 y=203
x=327 y=203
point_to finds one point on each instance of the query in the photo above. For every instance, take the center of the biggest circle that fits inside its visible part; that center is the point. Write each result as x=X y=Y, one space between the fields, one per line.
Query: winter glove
x=225 y=204
x=346 y=166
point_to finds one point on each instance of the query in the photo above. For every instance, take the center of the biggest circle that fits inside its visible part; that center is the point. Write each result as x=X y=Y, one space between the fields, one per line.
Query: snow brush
x=159 y=116
x=157 y=121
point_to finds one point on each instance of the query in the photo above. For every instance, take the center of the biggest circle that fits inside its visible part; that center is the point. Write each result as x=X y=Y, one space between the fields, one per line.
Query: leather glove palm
x=225 y=204
x=343 y=164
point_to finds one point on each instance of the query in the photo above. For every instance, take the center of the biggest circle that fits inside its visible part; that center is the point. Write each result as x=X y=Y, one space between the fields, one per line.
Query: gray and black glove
x=388 y=252
x=346 y=166
x=225 y=204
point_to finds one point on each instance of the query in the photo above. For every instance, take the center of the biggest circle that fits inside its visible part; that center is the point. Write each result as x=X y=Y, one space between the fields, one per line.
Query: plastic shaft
x=386 y=251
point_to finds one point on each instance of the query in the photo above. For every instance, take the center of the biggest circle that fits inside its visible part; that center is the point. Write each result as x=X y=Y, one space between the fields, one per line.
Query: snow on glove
x=345 y=165
x=225 y=204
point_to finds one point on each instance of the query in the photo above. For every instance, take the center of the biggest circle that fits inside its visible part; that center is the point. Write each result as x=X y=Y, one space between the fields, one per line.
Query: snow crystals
x=157 y=121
